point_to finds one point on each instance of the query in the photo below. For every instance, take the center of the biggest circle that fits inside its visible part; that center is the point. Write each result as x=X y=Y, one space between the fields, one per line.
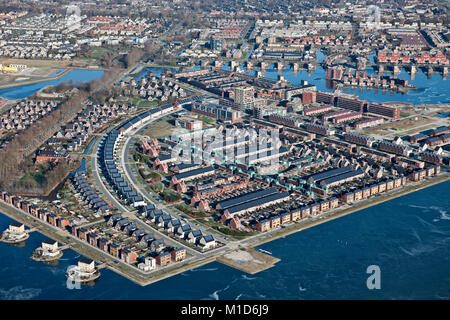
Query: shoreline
x=359 y=206
x=34 y=81
x=144 y=280
x=68 y=69
x=46 y=259
x=84 y=249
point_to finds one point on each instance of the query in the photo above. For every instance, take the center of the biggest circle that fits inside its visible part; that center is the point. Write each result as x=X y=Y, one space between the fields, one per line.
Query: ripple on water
x=19 y=293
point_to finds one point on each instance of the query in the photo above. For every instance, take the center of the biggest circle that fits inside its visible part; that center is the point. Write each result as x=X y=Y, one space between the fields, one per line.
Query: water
x=443 y=115
x=406 y=237
x=25 y=91
x=435 y=90
x=49 y=76
x=429 y=91
x=88 y=147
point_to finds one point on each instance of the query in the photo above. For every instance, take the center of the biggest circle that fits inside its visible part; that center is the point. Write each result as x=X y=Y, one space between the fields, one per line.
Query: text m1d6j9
x=246 y=309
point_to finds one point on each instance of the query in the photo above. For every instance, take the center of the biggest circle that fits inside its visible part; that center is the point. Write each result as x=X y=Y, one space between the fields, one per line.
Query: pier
x=102 y=266
x=32 y=230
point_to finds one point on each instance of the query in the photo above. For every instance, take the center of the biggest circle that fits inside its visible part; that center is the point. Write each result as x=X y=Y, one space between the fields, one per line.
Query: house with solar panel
x=193 y=236
x=182 y=231
x=206 y=242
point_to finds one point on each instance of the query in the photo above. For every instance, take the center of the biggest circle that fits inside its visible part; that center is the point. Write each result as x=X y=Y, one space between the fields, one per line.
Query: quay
x=137 y=276
x=248 y=260
x=281 y=233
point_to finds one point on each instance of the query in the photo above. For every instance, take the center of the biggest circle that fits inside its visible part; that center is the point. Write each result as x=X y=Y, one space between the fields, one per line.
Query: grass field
x=143 y=102
x=406 y=126
x=95 y=53
x=38 y=63
x=207 y=120
x=161 y=128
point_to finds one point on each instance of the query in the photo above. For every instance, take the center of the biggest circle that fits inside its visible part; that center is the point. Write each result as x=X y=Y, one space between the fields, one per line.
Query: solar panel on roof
x=342 y=176
x=245 y=198
x=194 y=172
x=257 y=202
x=329 y=173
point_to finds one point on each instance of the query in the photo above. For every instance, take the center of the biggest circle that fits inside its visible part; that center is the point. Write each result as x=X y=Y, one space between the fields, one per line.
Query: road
x=125 y=155
x=124 y=211
x=42 y=226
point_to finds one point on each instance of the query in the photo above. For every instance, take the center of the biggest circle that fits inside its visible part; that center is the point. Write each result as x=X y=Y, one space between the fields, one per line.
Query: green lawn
x=189 y=210
x=170 y=195
x=34 y=177
x=140 y=102
x=207 y=120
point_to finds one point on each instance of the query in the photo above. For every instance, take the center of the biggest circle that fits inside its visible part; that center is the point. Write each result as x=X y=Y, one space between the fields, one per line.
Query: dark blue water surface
x=27 y=90
x=408 y=238
x=433 y=90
